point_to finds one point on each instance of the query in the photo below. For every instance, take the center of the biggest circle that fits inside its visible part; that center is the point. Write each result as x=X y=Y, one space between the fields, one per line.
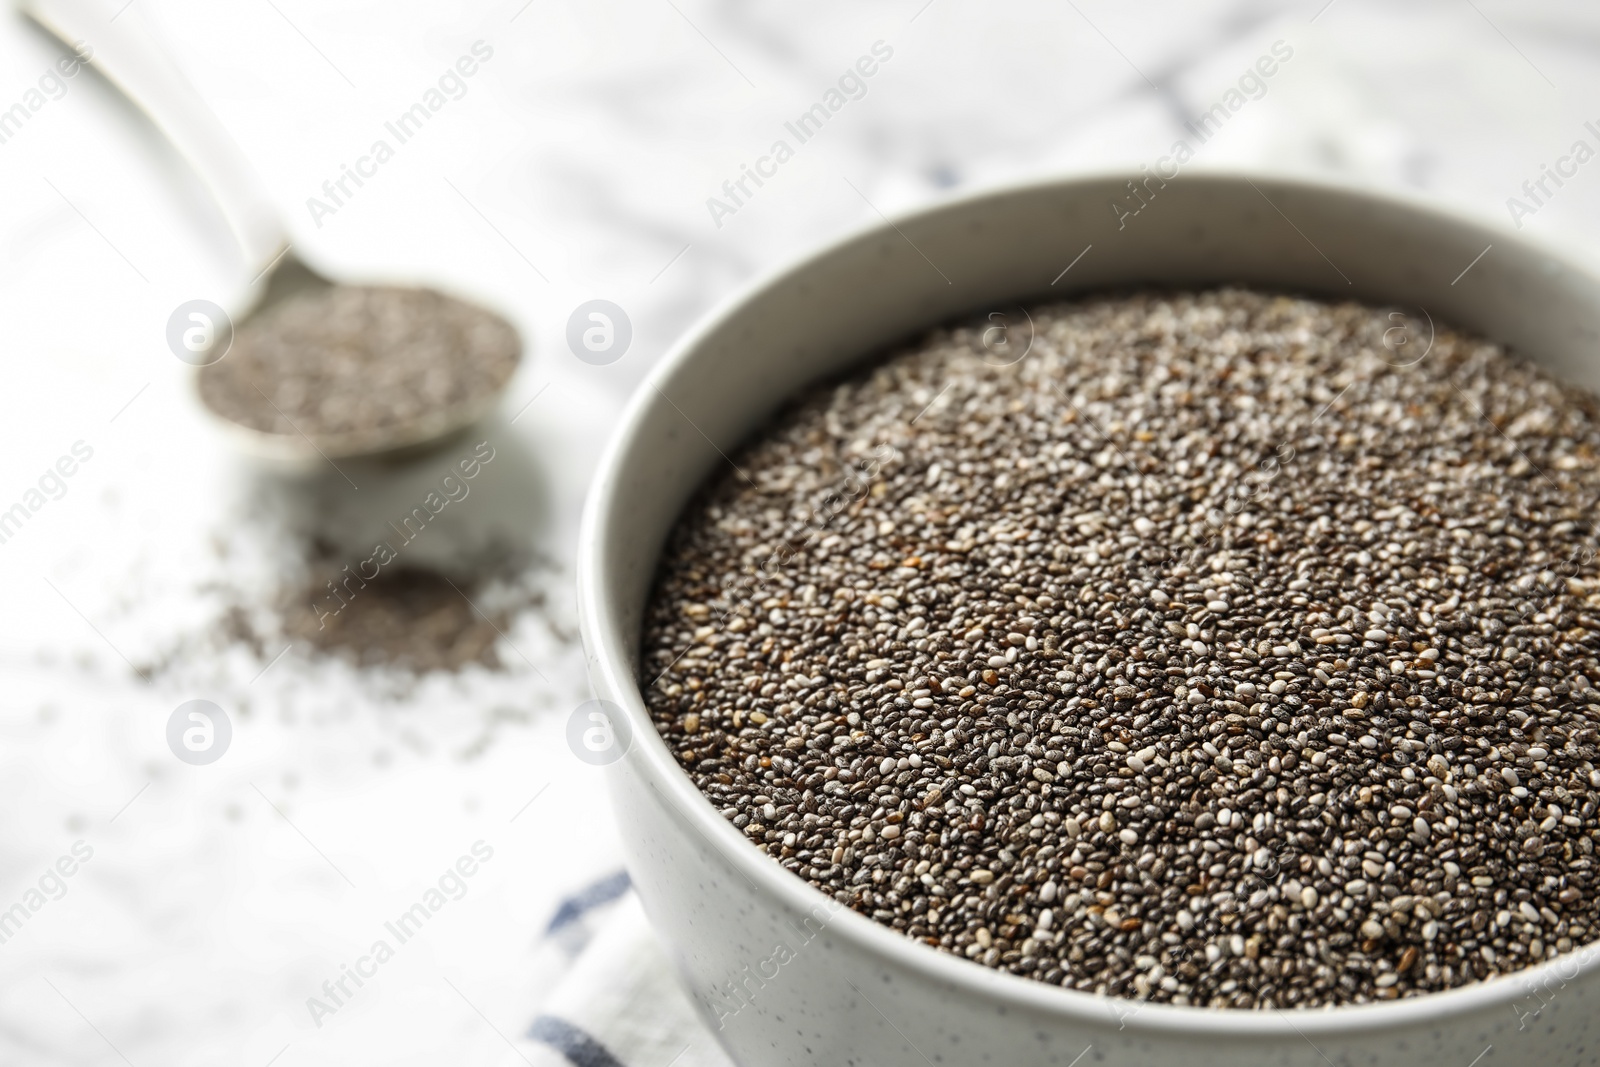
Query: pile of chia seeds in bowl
x=1221 y=651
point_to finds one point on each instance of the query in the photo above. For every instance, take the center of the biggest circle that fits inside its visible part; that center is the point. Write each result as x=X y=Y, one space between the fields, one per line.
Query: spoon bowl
x=323 y=371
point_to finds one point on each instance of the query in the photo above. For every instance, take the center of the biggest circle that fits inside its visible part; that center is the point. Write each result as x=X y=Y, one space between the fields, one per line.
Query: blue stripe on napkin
x=573 y=1043
x=586 y=899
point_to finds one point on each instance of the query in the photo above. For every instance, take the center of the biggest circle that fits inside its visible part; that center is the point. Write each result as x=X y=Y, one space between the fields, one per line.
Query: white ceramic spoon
x=122 y=48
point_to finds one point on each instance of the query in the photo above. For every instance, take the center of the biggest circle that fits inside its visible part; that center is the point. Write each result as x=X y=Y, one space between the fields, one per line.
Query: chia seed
x=1210 y=655
x=414 y=617
x=355 y=360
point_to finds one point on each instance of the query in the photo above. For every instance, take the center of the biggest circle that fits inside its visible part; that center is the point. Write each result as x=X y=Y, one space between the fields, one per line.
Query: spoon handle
x=128 y=54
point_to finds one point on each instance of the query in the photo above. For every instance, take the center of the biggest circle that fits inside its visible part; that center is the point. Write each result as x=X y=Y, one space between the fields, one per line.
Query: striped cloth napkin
x=617 y=1002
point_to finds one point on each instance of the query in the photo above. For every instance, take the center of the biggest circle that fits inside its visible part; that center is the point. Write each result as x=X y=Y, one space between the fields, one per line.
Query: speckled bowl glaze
x=780 y=972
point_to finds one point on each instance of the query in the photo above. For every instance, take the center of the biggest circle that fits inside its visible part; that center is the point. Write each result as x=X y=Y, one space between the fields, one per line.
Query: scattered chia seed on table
x=413 y=617
x=352 y=359
x=1207 y=655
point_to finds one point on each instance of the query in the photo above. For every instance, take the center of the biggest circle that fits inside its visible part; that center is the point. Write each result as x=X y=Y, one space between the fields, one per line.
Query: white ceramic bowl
x=782 y=973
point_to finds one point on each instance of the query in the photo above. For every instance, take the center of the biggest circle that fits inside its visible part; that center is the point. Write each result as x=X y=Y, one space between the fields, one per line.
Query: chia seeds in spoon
x=348 y=360
x=1207 y=655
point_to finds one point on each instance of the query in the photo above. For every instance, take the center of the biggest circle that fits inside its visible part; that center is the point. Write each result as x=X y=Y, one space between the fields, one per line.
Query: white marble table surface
x=577 y=165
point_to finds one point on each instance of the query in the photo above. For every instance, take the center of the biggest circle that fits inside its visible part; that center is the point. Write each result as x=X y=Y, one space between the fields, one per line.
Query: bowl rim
x=609 y=656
